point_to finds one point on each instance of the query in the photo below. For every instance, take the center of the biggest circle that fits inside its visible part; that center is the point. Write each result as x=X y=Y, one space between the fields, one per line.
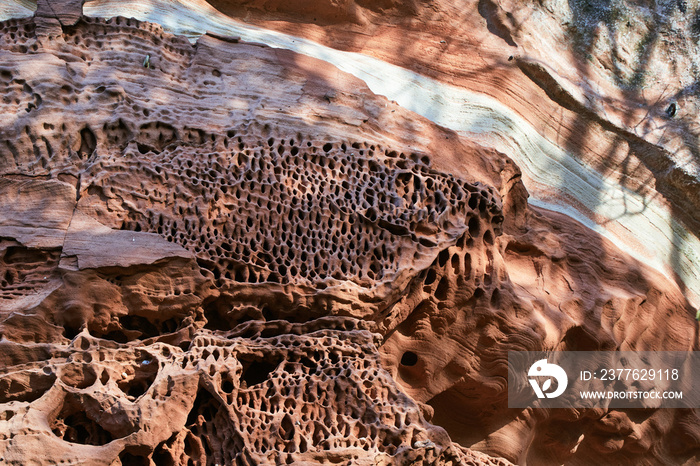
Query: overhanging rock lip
x=97 y=246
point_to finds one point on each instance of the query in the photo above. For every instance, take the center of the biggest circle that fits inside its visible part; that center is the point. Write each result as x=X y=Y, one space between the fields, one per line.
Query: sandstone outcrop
x=220 y=252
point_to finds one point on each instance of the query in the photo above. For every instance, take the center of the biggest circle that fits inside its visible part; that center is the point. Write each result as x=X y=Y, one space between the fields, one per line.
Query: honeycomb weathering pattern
x=223 y=253
x=287 y=399
x=290 y=211
x=255 y=206
x=148 y=303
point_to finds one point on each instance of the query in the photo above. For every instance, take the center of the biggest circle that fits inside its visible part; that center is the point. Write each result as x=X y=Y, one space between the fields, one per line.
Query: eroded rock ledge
x=227 y=253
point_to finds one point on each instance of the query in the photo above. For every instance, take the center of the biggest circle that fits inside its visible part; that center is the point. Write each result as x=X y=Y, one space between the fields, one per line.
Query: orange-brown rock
x=226 y=253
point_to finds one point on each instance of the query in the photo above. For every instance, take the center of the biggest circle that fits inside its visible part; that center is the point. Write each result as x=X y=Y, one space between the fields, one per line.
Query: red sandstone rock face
x=611 y=83
x=231 y=254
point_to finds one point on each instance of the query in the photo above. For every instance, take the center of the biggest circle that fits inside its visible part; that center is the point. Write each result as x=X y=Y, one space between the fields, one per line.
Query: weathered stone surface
x=94 y=245
x=67 y=12
x=36 y=212
x=226 y=253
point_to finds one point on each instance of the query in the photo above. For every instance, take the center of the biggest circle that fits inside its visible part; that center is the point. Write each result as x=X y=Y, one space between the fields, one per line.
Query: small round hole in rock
x=409 y=359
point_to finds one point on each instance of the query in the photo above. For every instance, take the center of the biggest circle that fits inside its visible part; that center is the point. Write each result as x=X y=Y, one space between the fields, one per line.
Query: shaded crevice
x=88 y=142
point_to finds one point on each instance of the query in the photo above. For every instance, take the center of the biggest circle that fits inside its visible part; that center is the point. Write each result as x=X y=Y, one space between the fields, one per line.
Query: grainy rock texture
x=226 y=253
